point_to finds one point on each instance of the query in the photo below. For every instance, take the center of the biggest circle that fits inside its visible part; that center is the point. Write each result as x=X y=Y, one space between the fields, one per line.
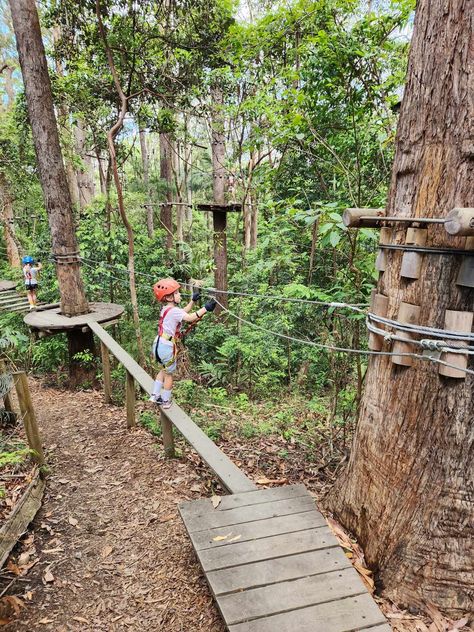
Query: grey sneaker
x=156 y=399
x=166 y=404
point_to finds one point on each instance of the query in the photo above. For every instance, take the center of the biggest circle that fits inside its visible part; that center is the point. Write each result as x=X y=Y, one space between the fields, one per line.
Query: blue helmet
x=27 y=259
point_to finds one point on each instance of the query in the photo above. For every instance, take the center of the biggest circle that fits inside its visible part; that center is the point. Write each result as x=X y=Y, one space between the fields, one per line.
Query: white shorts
x=164 y=353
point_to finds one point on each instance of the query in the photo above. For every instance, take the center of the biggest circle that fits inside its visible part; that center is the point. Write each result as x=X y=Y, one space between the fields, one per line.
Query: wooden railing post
x=168 y=439
x=29 y=417
x=106 y=373
x=130 y=400
x=7 y=400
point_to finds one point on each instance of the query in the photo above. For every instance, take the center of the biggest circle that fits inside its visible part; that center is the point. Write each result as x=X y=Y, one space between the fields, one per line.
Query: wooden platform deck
x=11 y=300
x=273 y=565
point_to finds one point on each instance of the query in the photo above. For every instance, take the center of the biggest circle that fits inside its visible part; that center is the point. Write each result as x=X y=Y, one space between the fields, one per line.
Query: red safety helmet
x=165 y=287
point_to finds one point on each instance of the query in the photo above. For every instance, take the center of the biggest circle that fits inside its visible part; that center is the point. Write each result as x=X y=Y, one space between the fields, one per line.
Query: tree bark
x=146 y=182
x=48 y=152
x=407 y=492
x=166 y=174
x=6 y=218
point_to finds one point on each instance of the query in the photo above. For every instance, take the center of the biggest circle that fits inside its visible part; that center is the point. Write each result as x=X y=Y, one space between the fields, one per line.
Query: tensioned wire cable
x=419 y=329
x=426 y=344
x=354 y=306
x=321 y=345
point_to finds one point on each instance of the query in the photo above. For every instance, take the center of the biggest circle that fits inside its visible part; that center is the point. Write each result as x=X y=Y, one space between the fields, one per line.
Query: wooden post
x=352 y=217
x=385 y=239
x=168 y=439
x=7 y=400
x=466 y=271
x=130 y=400
x=106 y=373
x=411 y=261
x=379 y=307
x=460 y=221
x=220 y=257
x=407 y=314
x=219 y=218
x=29 y=417
x=456 y=321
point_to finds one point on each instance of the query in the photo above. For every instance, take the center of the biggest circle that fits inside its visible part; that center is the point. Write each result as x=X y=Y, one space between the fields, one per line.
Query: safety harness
x=178 y=335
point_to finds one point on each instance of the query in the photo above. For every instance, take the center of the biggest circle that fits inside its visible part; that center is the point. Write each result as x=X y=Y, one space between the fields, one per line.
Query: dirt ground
x=112 y=553
x=108 y=551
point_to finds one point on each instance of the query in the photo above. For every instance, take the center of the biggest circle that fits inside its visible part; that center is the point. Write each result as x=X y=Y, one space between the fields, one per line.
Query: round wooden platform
x=7 y=285
x=53 y=320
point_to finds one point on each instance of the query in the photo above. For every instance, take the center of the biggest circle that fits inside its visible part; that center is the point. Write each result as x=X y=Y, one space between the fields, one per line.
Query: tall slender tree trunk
x=111 y=135
x=102 y=176
x=146 y=182
x=85 y=175
x=6 y=218
x=48 y=153
x=166 y=174
x=407 y=492
x=66 y=137
x=219 y=188
x=8 y=72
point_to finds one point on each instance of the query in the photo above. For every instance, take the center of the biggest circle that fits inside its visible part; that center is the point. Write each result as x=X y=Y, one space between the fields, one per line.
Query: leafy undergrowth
x=290 y=439
x=16 y=468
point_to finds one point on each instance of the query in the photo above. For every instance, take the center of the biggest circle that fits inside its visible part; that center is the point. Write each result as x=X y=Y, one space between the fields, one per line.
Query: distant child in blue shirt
x=30 y=274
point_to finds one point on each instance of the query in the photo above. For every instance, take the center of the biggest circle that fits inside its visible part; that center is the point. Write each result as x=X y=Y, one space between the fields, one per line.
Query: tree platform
x=7 y=285
x=272 y=563
x=52 y=321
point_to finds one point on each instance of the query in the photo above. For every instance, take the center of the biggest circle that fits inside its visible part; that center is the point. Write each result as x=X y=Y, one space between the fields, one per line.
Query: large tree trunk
x=407 y=492
x=48 y=152
x=166 y=174
x=6 y=218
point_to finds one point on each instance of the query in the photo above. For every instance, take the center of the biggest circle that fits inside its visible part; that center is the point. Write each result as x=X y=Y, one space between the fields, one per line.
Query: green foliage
x=49 y=354
x=150 y=422
x=309 y=90
x=12 y=451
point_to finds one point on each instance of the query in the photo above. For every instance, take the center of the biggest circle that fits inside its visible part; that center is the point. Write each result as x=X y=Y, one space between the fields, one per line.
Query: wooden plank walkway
x=231 y=477
x=273 y=565
x=12 y=301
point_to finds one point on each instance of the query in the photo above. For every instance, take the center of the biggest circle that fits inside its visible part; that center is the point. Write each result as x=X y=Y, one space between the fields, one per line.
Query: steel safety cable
x=420 y=329
x=427 y=344
x=321 y=345
x=357 y=307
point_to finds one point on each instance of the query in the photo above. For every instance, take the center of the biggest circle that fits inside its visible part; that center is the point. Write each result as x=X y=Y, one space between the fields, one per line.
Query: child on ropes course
x=30 y=273
x=164 y=348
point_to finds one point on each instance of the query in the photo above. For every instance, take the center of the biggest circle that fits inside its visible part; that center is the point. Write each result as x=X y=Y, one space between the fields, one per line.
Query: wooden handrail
x=231 y=477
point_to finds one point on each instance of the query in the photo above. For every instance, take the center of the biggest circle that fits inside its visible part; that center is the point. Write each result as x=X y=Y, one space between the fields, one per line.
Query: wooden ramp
x=274 y=565
x=12 y=301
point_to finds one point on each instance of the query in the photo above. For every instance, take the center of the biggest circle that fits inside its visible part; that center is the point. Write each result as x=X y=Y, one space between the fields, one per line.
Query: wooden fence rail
x=20 y=381
x=231 y=477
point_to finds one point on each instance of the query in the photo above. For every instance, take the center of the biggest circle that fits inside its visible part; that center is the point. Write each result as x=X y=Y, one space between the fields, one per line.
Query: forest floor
x=107 y=551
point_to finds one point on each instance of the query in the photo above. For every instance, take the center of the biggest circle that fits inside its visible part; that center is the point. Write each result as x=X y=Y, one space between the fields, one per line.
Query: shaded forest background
x=303 y=97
